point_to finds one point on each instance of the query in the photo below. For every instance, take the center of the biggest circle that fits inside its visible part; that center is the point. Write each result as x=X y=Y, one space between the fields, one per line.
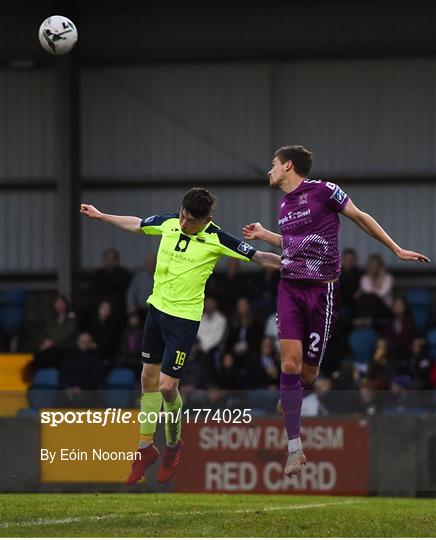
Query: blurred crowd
x=378 y=360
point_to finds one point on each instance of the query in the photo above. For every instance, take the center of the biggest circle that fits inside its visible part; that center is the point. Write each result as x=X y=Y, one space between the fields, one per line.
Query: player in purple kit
x=307 y=292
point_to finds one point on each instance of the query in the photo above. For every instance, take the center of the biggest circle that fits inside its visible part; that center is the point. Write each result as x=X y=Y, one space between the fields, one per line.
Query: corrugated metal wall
x=27 y=231
x=26 y=124
x=406 y=212
x=176 y=122
x=361 y=117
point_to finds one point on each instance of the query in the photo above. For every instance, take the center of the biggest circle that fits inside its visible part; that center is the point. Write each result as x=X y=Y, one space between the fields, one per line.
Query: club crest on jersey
x=302 y=199
x=244 y=248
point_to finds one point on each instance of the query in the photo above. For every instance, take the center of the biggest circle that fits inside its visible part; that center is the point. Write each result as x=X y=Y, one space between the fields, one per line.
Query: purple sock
x=291 y=398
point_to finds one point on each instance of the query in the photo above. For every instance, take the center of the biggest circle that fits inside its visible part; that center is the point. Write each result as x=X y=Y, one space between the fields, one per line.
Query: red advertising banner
x=232 y=458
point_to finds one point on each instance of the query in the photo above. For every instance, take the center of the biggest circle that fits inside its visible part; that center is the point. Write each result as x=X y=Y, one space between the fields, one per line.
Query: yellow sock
x=151 y=402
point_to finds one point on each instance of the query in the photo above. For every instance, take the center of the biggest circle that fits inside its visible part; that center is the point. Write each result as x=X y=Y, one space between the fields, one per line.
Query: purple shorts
x=307 y=311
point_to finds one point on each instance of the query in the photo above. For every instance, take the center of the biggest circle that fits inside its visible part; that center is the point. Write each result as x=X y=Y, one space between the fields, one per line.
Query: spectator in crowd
x=401 y=397
x=195 y=373
x=228 y=286
x=141 y=287
x=349 y=282
x=131 y=340
x=245 y=334
x=59 y=336
x=420 y=365
x=378 y=378
x=195 y=377
x=380 y=372
x=111 y=282
x=80 y=373
x=105 y=330
x=377 y=280
x=263 y=291
x=401 y=332
x=313 y=398
x=217 y=398
x=263 y=369
x=212 y=328
x=344 y=396
x=271 y=330
x=229 y=375
x=374 y=300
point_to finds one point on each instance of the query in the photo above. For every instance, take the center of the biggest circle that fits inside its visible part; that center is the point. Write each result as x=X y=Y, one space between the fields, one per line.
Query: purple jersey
x=309 y=225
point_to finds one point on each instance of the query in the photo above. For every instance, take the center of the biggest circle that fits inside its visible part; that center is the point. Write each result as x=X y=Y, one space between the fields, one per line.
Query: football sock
x=173 y=422
x=291 y=398
x=151 y=402
x=294 y=445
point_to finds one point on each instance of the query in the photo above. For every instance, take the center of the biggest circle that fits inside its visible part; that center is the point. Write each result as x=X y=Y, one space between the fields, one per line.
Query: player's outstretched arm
x=255 y=231
x=371 y=227
x=128 y=223
x=267 y=259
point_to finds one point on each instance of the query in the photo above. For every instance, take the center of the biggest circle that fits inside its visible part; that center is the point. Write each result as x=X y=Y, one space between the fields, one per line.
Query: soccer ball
x=57 y=35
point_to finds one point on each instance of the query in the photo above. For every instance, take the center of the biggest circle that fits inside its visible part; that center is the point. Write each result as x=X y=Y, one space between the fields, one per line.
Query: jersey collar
x=296 y=190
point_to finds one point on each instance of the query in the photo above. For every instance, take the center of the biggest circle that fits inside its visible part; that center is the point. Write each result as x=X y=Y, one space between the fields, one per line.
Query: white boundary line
x=78 y=519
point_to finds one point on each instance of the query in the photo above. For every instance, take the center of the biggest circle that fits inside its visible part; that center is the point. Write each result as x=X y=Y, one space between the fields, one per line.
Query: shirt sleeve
x=231 y=246
x=155 y=224
x=335 y=197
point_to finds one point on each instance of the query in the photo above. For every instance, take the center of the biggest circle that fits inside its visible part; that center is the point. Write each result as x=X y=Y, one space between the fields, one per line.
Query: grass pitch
x=175 y=515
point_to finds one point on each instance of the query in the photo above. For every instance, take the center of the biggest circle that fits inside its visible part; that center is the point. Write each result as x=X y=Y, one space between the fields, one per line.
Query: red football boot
x=171 y=459
x=149 y=455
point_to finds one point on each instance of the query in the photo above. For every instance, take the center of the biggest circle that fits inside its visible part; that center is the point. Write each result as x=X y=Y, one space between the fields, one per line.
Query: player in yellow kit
x=190 y=247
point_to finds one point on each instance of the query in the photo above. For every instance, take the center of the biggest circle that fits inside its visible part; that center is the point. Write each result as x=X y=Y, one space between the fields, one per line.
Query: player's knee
x=149 y=382
x=291 y=364
x=168 y=388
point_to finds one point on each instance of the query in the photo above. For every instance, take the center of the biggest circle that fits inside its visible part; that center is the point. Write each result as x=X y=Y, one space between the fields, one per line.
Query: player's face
x=277 y=172
x=191 y=225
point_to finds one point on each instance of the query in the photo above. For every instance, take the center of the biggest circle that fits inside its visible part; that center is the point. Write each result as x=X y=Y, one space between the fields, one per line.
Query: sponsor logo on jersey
x=149 y=219
x=146 y=354
x=182 y=243
x=339 y=195
x=244 y=248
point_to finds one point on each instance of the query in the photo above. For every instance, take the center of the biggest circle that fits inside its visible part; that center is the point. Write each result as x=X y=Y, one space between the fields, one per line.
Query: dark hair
x=376 y=257
x=406 y=304
x=64 y=299
x=199 y=202
x=349 y=251
x=111 y=251
x=301 y=158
